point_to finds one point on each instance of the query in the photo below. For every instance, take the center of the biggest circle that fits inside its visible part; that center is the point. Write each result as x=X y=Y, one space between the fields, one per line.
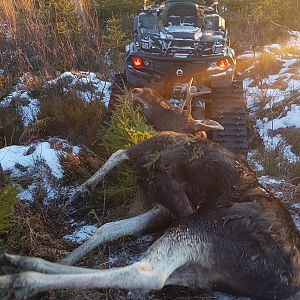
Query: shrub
x=276 y=164
x=39 y=231
x=254 y=23
x=127 y=126
x=267 y=64
x=124 y=9
x=80 y=167
x=74 y=119
x=11 y=125
x=115 y=41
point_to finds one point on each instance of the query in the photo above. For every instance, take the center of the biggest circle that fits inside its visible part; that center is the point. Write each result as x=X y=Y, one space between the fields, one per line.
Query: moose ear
x=136 y=92
x=138 y=100
x=207 y=125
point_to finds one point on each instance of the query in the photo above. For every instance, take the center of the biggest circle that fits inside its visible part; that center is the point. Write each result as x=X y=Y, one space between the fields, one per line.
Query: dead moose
x=224 y=231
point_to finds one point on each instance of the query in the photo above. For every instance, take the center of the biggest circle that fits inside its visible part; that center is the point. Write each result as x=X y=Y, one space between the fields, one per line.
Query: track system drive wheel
x=227 y=106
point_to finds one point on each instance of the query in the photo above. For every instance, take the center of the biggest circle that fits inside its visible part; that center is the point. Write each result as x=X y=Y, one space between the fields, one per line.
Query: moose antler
x=190 y=95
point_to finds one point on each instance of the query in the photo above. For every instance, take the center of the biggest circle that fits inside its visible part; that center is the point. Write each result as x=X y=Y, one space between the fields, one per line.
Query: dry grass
x=46 y=36
x=11 y=125
x=267 y=64
x=74 y=119
x=247 y=30
x=39 y=231
x=276 y=110
x=80 y=167
x=258 y=23
x=292 y=137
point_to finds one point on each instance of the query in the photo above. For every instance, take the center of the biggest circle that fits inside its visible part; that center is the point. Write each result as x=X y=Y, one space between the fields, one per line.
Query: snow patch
x=17 y=158
x=27 y=106
x=81 y=234
x=290 y=116
x=85 y=84
x=39 y=164
x=267 y=180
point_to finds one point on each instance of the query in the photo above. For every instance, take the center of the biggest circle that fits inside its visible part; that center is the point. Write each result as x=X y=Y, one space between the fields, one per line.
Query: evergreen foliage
x=127 y=128
x=61 y=14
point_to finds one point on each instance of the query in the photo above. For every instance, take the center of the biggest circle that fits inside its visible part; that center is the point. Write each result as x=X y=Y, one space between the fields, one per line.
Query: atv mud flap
x=227 y=106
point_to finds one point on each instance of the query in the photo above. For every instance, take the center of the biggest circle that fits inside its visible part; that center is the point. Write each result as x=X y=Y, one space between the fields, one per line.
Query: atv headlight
x=221 y=64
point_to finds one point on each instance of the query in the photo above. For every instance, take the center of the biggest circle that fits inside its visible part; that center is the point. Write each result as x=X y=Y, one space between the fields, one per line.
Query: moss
x=8 y=198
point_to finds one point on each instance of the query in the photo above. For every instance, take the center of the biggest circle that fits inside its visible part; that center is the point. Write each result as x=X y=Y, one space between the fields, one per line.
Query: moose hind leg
x=151 y=272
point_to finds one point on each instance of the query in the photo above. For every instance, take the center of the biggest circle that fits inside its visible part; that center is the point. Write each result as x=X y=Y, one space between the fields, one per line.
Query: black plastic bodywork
x=179 y=40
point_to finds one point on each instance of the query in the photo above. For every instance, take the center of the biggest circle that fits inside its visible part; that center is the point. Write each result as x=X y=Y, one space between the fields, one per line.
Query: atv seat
x=148 y=21
x=183 y=10
x=174 y=20
x=190 y=20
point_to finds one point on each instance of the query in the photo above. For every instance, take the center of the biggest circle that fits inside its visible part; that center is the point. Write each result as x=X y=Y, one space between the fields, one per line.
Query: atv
x=180 y=44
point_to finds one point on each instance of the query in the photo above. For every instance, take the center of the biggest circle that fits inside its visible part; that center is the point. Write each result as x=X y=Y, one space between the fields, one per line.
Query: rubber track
x=227 y=106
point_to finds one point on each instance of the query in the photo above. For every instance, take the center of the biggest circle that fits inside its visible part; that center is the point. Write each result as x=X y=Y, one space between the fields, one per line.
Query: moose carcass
x=229 y=233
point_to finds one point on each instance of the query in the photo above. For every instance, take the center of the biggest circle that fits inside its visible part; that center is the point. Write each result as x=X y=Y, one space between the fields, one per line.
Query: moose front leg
x=85 y=189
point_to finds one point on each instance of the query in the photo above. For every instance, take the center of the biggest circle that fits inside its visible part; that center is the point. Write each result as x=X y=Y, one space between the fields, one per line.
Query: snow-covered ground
x=39 y=166
x=271 y=93
x=86 y=85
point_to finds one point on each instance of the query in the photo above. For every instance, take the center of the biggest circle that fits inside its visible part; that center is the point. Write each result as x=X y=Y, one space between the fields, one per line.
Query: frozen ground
x=85 y=85
x=38 y=165
x=272 y=93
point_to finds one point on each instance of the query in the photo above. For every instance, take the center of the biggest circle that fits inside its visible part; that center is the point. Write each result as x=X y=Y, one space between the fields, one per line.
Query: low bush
x=255 y=23
x=80 y=167
x=11 y=125
x=38 y=230
x=275 y=163
x=73 y=119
